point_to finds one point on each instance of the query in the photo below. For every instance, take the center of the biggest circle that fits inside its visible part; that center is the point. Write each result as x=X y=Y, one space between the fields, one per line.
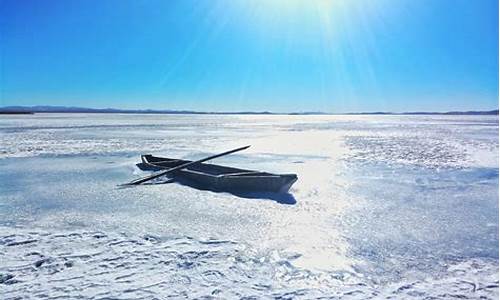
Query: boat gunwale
x=234 y=176
x=145 y=160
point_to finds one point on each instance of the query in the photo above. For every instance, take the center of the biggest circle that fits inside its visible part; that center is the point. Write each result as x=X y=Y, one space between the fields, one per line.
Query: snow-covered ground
x=385 y=206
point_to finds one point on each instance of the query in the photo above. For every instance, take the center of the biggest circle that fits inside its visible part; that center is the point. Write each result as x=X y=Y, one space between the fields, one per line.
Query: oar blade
x=144 y=179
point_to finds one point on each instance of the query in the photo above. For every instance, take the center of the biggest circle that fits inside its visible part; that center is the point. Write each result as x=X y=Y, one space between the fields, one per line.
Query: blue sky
x=275 y=55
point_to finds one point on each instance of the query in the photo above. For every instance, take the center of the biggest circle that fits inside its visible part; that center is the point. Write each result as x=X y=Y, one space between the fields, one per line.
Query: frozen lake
x=385 y=206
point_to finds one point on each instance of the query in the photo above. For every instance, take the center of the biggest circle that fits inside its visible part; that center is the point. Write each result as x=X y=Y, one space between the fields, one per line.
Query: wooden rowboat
x=219 y=178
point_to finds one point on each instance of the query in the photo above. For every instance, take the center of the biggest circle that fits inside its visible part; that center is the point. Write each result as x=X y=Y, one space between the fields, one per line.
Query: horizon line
x=77 y=109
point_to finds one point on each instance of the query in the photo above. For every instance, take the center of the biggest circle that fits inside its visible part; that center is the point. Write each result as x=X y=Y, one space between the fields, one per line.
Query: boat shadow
x=282 y=198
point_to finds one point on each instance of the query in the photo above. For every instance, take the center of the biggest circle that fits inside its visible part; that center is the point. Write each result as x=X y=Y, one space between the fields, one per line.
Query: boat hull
x=220 y=178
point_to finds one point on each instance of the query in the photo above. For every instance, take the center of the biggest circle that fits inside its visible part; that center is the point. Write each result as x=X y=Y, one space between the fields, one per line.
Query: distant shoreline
x=21 y=110
x=16 y=113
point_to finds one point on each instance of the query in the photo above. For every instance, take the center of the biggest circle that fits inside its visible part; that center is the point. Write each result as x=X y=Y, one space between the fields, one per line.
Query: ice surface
x=385 y=206
x=98 y=265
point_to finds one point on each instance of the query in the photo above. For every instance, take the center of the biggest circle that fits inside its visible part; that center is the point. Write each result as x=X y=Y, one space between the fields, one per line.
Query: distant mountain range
x=71 y=109
x=472 y=112
x=66 y=109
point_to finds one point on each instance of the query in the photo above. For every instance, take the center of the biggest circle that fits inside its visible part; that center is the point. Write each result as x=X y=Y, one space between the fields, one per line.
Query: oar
x=162 y=173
